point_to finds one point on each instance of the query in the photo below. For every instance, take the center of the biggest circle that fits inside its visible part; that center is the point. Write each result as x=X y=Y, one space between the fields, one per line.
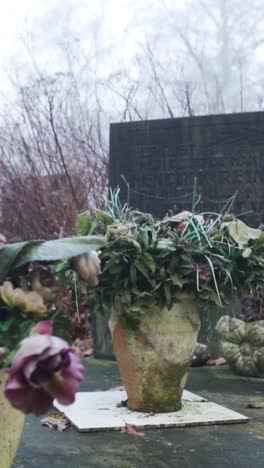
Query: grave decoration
x=156 y=277
x=242 y=337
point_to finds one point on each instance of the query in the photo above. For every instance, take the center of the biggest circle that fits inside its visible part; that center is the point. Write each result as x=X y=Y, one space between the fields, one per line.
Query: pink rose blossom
x=44 y=368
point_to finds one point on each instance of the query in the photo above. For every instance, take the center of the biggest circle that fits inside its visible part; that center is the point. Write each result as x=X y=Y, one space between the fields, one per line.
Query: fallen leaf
x=216 y=362
x=122 y=404
x=253 y=406
x=88 y=352
x=56 y=421
x=83 y=347
x=132 y=430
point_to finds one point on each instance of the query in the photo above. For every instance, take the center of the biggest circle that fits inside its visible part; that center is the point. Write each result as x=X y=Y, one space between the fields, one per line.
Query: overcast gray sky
x=13 y=16
x=51 y=20
x=191 y=46
x=21 y=18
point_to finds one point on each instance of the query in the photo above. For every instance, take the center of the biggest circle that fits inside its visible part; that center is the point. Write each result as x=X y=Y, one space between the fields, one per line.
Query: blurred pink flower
x=204 y=273
x=42 y=328
x=44 y=368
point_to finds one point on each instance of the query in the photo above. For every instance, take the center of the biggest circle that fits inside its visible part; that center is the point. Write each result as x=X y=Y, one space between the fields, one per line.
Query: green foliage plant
x=146 y=263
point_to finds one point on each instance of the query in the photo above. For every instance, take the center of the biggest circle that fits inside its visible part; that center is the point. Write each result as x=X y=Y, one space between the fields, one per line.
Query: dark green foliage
x=148 y=263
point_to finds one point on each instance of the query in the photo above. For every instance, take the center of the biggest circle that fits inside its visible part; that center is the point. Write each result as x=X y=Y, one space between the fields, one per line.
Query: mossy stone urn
x=154 y=355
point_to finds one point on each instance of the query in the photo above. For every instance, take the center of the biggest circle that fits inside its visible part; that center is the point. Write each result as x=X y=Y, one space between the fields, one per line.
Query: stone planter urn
x=151 y=277
x=243 y=345
x=154 y=355
x=11 y=426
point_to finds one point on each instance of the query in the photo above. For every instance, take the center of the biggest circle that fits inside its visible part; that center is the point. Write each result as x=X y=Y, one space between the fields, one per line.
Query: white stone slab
x=189 y=396
x=101 y=411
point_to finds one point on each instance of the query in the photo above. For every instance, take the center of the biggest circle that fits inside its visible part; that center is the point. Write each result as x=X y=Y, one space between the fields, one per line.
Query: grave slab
x=103 y=411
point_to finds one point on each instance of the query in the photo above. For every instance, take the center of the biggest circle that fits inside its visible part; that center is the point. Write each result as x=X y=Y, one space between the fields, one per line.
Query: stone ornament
x=242 y=345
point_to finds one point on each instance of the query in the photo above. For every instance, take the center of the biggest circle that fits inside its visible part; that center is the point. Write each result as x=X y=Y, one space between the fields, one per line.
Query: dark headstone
x=161 y=158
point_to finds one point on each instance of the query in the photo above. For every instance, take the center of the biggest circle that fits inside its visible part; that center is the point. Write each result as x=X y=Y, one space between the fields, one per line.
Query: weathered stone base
x=102 y=411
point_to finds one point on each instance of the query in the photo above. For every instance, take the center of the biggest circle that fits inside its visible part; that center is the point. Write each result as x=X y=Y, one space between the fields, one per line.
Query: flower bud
x=88 y=267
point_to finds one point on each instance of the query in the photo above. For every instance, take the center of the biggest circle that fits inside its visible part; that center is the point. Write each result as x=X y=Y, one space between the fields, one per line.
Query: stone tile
x=100 y=411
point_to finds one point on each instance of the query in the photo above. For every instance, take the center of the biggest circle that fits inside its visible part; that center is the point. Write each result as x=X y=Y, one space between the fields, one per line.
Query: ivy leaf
x=114 y=269
x=84 y=225
x=125 y=297
x=133 y=273
x=149 y=261
x=113 y=260
x=142 y=269
x=141 y=293
x=103 y=217
x=4 y=326
x=25 y=326
x=165 y=244
x=144 y=238
x=260 y=240
x=167 y=291
x=247 y=252
x=177 y=281
x=211 y=296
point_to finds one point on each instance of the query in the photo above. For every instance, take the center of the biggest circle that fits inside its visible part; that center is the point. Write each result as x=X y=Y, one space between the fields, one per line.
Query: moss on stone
x=162 y=387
